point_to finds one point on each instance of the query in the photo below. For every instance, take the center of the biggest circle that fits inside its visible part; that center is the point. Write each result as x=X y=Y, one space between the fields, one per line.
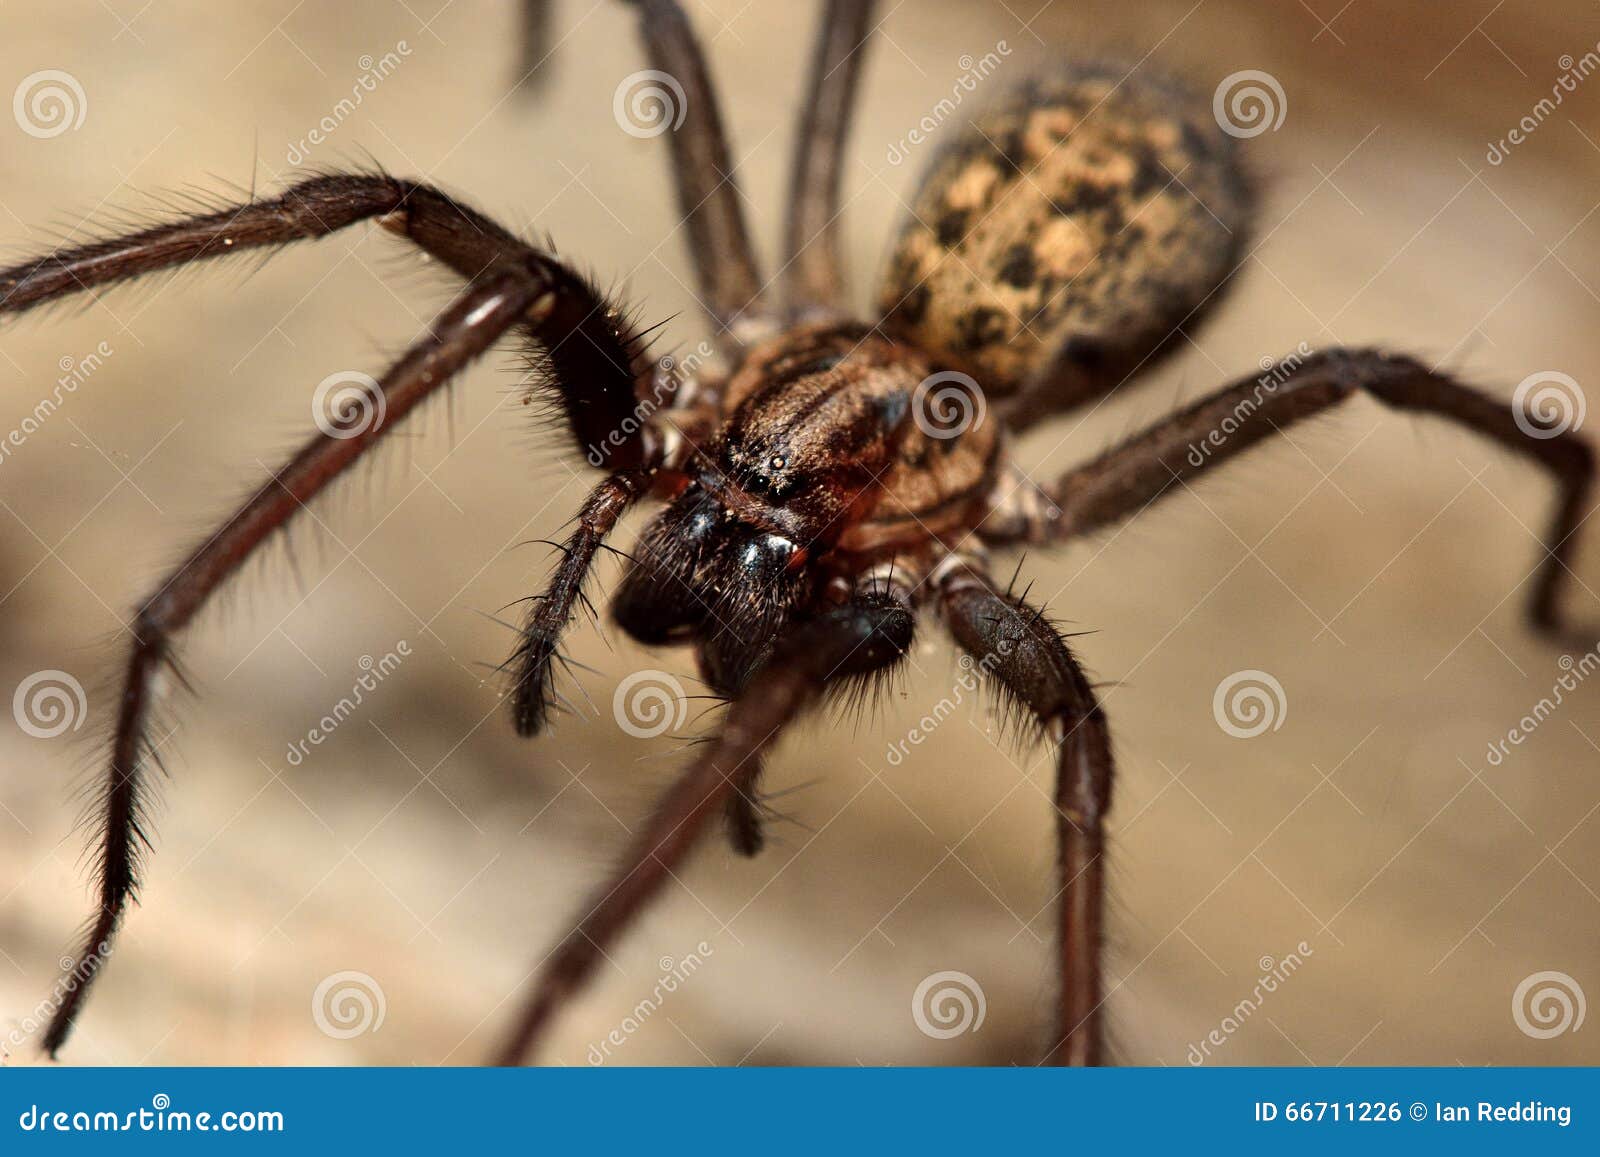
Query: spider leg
x=596 y=375
x=1130 y=477
x=813 y=273
x=534 y=45
x=469 y=327
x=743 y=816
x=708 y=193
x=1028 y=658
x=862 y=638
x=463 y=239
x=530 y=695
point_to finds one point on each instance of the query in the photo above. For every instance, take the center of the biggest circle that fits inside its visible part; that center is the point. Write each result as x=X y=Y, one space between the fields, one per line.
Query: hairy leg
x=1129 y=477
x=531 y=694
x=1028 y=658
x=814 y=279
x=461 y=238
x=865 y=636
x=469 y=327
x=708 y=193
x=743 y=816
x=587 y=352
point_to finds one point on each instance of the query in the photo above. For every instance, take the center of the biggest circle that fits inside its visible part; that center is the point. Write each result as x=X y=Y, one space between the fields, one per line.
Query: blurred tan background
x=1372 y=564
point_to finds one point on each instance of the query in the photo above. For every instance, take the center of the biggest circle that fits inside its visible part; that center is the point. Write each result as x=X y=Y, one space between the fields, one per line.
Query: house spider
x=828 y=477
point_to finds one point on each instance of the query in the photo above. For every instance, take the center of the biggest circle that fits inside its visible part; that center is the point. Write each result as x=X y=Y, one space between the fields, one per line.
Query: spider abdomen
x=1067 y=234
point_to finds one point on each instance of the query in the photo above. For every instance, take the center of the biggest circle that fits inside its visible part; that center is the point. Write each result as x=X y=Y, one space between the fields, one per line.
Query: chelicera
x=830 y=477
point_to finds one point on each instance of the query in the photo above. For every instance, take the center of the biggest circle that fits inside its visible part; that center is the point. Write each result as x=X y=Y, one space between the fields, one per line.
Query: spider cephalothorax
x=815 y=466
x=832 y=477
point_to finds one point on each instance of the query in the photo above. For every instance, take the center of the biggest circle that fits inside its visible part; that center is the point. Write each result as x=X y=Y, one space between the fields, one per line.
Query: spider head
x=813 y=420
x=702 y=571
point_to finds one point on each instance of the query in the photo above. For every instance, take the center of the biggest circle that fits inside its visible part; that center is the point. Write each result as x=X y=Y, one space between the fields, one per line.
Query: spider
x=827 y=477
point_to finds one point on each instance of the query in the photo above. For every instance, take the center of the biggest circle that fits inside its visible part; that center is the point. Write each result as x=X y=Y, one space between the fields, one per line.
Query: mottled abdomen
x=1061 y=238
